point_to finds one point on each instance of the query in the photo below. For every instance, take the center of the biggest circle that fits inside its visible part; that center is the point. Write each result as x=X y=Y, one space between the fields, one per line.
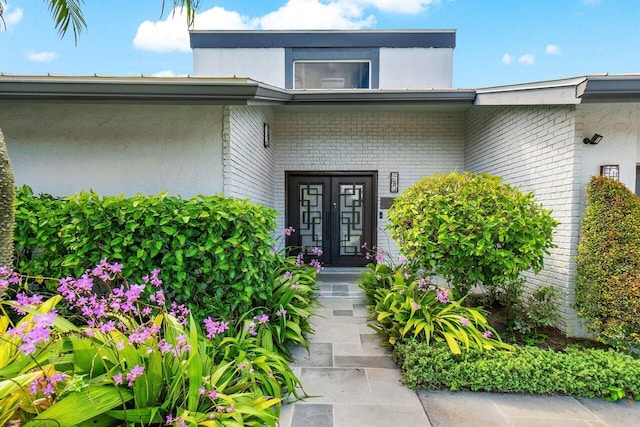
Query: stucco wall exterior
x=63 y=148
x=248 y=164
x=537 y=149
x=415 y=144
x=619 y=124
x=261 y=64
x=416 y=68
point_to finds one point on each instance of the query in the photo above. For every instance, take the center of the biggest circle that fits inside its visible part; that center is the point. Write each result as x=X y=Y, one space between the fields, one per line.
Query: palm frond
x=67 y=12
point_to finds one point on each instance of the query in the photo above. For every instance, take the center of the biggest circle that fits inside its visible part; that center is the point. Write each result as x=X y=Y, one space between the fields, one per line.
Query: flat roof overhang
x=138 y=89
x=233 y=39
x=435 y=96
x=623 y=88
x=190 y=90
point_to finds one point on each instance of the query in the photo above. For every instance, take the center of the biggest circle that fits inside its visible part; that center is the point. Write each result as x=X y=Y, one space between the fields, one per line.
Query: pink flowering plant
x=406 y=306
x=283 y=320
x=135 y=359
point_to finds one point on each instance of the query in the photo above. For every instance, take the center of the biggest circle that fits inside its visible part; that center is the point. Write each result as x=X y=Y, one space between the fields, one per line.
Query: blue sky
x=498 y=41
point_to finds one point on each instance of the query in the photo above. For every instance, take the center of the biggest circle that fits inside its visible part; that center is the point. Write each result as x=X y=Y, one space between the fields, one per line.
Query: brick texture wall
x=415 y=144
x=248 y=165
x=536 y=148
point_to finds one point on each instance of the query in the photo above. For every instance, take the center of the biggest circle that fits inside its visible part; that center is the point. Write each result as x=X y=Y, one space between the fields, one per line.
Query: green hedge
x=608 y=263
x=215 y=253
x=578 y=372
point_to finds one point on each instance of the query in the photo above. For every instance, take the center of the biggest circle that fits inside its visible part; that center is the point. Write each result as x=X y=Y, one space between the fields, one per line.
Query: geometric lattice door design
x=334 y=213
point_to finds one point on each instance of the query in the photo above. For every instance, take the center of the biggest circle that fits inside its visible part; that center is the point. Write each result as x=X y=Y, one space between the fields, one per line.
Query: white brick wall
x=536 y=148
x=415 y=144
x=248 y=165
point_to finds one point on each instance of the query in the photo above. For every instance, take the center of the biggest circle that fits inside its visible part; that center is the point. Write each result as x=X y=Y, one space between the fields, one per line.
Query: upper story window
x=332 y=74
x=332 y=68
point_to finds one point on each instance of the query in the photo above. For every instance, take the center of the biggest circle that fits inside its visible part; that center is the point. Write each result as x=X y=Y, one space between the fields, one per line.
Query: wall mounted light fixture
x=610 y=171
x=595 y=139
x=266 y=135
x=394 y=178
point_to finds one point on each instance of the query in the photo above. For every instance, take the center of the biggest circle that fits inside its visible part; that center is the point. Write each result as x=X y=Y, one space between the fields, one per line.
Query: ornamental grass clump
x=130 y=357
x=471 y=229
x=608 y=265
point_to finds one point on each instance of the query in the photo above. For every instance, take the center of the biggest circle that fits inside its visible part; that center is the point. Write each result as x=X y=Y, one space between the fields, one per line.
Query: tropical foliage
x=408 y=307
x=135 y=358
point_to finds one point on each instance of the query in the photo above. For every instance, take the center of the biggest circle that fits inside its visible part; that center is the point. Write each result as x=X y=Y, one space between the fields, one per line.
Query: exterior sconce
x=595 y=139
x=266 y=135
x=610 y=171
x=393 y=182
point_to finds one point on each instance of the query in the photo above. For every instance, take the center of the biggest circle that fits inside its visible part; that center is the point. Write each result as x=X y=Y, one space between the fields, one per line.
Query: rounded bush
x=472 y=229
x=608 y=266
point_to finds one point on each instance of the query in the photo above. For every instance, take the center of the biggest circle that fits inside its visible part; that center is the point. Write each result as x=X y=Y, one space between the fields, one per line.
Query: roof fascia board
x=563 y=95
x=315 y=39
x=610 y=89
x=458 y=96
x=197 y=91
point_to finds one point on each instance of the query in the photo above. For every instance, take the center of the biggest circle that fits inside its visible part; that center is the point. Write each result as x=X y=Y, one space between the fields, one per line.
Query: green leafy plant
x=576 y=372
x=608 y=268
x=425 y=312
x=471 y=229
x=215 y=253
x=133 y=361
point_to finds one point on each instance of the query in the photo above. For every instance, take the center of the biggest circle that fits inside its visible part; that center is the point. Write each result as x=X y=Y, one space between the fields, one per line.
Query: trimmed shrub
x=608 y=264
x=215 y=253
x=578 y=372
x=471 y=229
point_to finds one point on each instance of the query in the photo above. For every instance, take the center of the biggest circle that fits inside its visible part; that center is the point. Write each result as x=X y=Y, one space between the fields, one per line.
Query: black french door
x=335 y=213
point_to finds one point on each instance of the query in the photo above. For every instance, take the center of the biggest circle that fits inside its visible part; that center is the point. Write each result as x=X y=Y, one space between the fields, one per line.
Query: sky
x=497 y=41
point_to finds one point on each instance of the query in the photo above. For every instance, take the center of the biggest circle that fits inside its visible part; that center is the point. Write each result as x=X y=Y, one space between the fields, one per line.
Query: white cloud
x=506 y=58
x=13 y=18
x=410 y=7
x=171 y=33
x=527 y=59
x=42 y=56
x=552 y=49
x=167 y=73
x=313 y=14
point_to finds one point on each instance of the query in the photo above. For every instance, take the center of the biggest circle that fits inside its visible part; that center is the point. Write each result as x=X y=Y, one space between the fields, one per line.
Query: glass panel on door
x=351 y=218
x=310 y=216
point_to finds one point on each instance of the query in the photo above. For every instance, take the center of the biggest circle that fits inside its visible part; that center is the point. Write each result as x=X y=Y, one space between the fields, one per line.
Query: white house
x=326 y=127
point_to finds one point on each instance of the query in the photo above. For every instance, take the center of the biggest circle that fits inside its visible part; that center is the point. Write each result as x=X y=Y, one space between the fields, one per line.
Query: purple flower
x=117 y=379
x=402 y=259
x=214 y=328
x=262 y=319
x=380 y=256
x=288 y=275
x=288 y=231
x=487 y=334
x=300 y=259
x=316 y=264
x=317 y=251
x=251 y=327
x=281 y=312
x=465 y=322
x=415 y=305
x=135 y=372
x=442 y=296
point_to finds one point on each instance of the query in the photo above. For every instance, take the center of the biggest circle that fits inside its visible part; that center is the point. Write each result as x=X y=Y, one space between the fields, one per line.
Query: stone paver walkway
x=356 y=384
